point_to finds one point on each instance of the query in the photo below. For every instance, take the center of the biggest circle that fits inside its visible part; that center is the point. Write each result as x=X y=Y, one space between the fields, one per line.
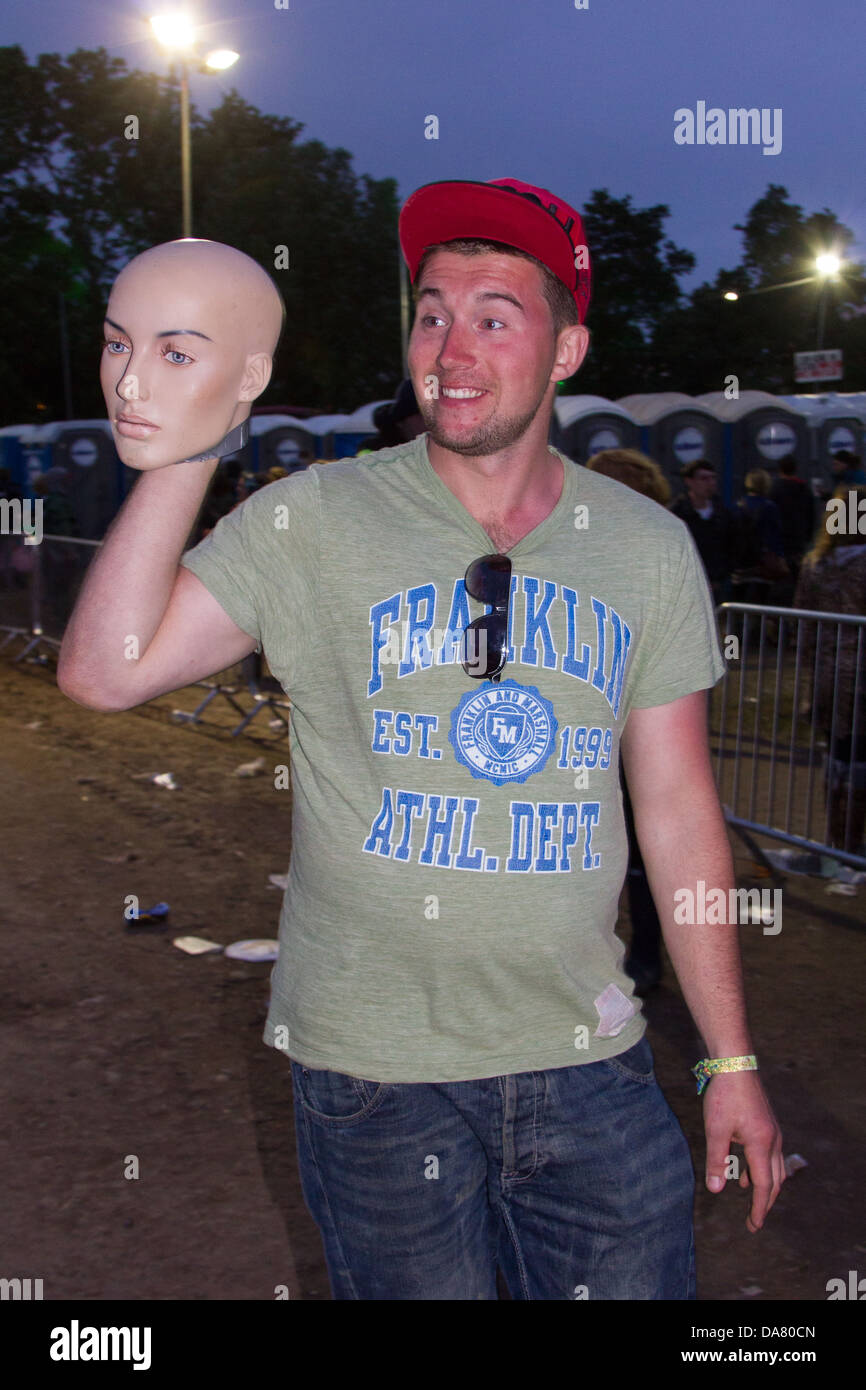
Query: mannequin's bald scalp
x=190 y=332
x=238 y=293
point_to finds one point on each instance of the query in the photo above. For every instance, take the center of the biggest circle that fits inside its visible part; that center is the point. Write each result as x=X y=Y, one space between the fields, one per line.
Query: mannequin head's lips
x=124 y=418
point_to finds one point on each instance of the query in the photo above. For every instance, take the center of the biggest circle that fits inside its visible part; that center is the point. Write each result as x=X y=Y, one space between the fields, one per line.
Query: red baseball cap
x=518 y=214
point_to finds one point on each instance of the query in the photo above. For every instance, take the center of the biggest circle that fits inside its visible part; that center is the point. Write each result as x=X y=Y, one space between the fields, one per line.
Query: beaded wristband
x=708 y=1067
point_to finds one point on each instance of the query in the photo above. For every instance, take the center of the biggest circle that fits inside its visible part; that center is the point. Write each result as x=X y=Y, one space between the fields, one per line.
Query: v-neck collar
x=564 y=505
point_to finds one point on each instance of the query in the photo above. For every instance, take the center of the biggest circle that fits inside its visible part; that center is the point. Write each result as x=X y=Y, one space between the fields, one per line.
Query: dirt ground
x=115 y=1043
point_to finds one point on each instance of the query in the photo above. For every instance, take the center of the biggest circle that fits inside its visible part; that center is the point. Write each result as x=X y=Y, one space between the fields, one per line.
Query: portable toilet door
x=85 y=448
x=355 y=430
x=676 y=430
x=280 y=441
x=834 y=424
x=760 y=429
x=22 y=453
x=587 y=424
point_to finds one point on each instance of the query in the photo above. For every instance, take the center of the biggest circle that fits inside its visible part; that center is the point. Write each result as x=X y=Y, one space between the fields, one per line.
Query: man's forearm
x=130 y=580
x=689 y=846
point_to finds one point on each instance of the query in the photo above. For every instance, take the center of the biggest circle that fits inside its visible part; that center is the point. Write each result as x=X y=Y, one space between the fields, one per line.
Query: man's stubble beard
x=490 y=438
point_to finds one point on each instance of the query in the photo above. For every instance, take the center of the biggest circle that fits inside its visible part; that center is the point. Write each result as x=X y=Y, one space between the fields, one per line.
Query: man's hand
x=736 y=1111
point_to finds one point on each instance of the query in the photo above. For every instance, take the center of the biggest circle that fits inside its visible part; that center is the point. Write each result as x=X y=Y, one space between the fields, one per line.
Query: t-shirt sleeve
x=261 y=563
x=680 y=652
x=223 y=563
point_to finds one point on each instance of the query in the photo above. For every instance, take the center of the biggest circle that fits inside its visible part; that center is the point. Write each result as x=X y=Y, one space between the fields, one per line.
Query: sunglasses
x=489 y=580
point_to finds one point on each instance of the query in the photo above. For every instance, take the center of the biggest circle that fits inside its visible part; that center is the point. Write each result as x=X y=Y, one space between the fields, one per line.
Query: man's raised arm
x=143 y=624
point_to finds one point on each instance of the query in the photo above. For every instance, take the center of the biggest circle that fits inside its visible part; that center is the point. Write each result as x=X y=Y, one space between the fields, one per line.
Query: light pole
x=175 y=32
x=404 y=309
x=828 y=266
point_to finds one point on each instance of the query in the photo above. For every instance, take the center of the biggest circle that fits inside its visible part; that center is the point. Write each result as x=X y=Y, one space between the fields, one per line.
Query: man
x=793 y=496
x=396 y=421
x=847 y=470
x=472 y=1082
x=714 y=528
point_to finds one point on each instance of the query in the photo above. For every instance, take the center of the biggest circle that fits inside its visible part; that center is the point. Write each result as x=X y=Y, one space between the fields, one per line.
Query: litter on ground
x=195 y=945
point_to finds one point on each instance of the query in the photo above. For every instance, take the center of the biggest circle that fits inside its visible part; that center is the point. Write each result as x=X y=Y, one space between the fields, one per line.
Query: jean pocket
x=636 y=1062
x=335 y=1097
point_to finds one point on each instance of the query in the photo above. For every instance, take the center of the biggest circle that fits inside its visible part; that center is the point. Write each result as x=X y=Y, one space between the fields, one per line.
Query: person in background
x=8 y=488
x=766 y=571
x=247 y=484
x=793 y=497
x=847 y=469
x=61 y=563
x=221 y=497
x=58 y=514
x=643 y=962
x=9 y=576
x=832 y=579
x=712 y=525
x=396 y=421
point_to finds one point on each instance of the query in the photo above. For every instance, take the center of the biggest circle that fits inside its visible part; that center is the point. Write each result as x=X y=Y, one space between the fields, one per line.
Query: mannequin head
x=190 y=332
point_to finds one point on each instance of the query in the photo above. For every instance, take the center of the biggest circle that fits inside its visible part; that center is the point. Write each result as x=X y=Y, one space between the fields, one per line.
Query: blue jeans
x=577 y=1182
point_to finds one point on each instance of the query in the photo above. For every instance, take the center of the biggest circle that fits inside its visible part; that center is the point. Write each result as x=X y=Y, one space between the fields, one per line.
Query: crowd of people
x=753 y=553
x=776 y=548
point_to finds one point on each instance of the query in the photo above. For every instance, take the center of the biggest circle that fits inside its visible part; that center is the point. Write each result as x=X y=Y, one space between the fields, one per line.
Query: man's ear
x=257 y=374
x=571 y=348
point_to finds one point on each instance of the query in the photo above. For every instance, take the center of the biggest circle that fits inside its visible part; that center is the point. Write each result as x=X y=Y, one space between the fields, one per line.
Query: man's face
x=483 y=332
x=169 y=362
x=701 y=486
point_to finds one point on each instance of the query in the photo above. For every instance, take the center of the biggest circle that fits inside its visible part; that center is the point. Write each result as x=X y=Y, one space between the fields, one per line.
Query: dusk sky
x=536 y=89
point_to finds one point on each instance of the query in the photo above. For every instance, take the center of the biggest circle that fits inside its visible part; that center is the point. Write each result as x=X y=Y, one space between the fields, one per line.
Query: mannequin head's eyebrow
x=166 y=333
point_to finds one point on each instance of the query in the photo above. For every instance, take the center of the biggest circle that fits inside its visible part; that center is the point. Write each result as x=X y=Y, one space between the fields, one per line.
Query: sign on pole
x=825 y=365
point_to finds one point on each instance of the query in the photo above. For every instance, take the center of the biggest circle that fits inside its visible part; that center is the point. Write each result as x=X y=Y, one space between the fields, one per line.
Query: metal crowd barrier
x=33 y=618
x=793 y=690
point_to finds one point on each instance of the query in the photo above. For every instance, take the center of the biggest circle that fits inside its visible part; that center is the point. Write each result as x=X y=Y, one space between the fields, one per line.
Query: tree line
x=78 y=198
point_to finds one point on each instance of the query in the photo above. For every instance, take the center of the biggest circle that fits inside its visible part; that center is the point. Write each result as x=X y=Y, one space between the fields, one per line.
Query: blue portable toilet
x=94 y=483
x=24 y=454
x=675 y=429
x=280 y=441
x=342 y=436
x=759 y=430
x=326 y=432
x=584 y=425
x=834 y=423
x=357 y=429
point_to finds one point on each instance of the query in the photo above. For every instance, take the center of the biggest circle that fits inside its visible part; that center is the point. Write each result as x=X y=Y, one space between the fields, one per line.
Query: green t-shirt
x=458 y=846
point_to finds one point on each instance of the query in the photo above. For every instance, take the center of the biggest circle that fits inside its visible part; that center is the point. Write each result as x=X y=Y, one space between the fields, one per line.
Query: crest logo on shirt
x=503 y=732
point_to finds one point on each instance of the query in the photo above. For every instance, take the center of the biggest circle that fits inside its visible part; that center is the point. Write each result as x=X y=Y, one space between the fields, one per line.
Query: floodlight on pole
x=173 y=31
x=220 y=59
x=828 y=264
x=731 y=294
